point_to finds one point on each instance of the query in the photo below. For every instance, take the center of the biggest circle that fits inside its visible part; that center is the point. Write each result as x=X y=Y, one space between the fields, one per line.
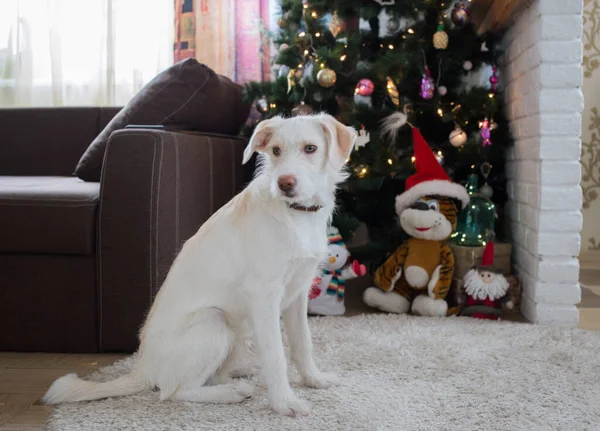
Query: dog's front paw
x=321 y=380
x=291 y=406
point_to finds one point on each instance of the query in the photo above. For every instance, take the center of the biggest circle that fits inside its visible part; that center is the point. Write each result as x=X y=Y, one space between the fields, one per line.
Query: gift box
x=466 y=258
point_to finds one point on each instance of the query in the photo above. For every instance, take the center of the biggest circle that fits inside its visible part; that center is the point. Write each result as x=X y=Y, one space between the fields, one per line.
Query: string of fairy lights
x=326 y=76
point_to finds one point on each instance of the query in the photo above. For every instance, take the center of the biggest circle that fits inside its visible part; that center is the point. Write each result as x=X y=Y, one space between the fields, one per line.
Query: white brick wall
x=543 y=75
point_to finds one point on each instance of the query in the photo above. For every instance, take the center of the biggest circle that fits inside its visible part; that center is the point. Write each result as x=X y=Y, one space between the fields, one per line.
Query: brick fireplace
x=543 y=75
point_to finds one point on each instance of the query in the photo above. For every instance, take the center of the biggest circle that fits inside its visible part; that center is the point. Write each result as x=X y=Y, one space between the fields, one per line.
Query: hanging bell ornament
x=427 y=85
x=485 y=132
x=326 y=77
x=486 y=190
x=440 y=38
x=494 y=79
x=457 y=137
x=302 y=109
x=459 y=14
x=392 y=91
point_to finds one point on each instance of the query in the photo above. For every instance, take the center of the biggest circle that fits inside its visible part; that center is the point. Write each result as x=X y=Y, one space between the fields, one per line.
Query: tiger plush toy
x=418 y=275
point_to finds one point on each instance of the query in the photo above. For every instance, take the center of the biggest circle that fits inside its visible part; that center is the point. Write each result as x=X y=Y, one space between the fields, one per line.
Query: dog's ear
x=260 y=138
x=341 y=139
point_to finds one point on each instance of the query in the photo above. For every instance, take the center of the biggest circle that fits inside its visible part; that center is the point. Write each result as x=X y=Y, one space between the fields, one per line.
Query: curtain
x=77 y=53
x=229 y=36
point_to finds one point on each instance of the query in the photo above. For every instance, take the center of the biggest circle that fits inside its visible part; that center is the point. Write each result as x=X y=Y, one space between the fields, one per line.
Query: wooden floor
x=24 y=377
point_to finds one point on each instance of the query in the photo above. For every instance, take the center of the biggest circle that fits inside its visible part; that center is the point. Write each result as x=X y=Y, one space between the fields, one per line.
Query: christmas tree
x=384 y=66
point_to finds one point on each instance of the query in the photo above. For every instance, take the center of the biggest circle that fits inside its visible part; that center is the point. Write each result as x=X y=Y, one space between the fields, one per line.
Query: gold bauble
x=392 y=91
x=326 y=77
x=440 y=40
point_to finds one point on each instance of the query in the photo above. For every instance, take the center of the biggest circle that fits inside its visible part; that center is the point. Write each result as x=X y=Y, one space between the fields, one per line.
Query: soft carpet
x=398 y=373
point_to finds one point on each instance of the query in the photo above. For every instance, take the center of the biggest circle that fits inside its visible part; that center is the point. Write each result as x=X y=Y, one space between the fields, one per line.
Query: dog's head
x=302 y=158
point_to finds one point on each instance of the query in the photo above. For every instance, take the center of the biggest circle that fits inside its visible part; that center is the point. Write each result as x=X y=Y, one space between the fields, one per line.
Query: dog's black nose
x=421 y=206
x=287 y=183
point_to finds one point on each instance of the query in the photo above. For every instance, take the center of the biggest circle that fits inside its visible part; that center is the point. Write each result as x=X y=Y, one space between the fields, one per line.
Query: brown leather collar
x=311 y=209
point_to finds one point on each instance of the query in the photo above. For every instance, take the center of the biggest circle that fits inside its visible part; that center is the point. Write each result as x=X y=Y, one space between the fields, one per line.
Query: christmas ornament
x=326 y=295
x=283 y=71
x=475 y=226
x=326 y=77
x=484 y=47
x=385 y=2
x=364 y=87
x=290 y=80
x=365 y=100
x=283 y=47
x=485 y=132
x=467 y=65
x=282 y=22
x=494 y=79
x=302 y=109
x=460 y=14
x=427 y=85
x=458 y=137
x=486 y=190
x=318 y=96
x=440 y=38
x=442 y=91
x=392 y=91
x=392 y=25
x=392 y=123
x=262 y=105
x=335 y=25
x=307 y=73
x=486 y=289
x=362 y=139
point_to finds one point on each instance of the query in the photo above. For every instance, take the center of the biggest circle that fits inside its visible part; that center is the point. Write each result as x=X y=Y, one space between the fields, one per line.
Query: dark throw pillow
x=186 y=96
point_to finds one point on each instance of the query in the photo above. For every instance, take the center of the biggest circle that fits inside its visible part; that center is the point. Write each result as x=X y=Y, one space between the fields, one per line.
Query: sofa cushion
x=188 y=95
x=48 y=215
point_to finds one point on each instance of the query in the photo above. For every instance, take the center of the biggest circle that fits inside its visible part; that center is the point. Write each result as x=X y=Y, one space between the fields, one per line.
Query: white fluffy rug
x=399 y=373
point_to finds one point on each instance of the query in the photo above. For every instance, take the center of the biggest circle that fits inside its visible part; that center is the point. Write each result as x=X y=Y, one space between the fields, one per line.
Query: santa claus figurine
x=486 y=289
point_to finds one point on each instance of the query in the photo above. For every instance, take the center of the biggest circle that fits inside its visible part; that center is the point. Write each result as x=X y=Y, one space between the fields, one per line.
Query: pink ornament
x=486 y=133
x=427 y=85
x=494 y=79
x=365 y=87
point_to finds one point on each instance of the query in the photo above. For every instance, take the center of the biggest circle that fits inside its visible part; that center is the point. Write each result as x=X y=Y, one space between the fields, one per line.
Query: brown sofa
x=80 y=262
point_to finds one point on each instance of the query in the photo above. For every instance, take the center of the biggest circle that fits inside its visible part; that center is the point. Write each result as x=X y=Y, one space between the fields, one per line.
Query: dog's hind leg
x=189 y=359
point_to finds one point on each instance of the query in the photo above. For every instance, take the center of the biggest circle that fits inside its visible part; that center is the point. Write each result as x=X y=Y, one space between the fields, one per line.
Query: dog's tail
x=71 y=388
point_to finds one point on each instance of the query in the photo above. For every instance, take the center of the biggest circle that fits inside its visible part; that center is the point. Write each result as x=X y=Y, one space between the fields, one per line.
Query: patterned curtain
x=229 y=36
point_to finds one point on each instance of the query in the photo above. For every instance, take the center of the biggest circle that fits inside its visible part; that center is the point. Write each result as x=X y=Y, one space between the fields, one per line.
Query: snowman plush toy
x=326 y=295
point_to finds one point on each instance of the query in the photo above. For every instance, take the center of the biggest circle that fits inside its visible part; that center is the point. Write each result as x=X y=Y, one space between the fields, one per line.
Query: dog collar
x=311 y=209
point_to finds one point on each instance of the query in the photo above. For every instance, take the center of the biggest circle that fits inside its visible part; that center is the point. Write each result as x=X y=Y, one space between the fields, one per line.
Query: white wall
x=543 y=73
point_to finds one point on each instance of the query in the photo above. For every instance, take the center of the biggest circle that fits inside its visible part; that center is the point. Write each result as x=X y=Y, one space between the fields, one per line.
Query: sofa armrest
x=157 y=189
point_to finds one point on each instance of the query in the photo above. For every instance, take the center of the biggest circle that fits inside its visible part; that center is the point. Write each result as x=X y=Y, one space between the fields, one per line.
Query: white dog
x=250 y=263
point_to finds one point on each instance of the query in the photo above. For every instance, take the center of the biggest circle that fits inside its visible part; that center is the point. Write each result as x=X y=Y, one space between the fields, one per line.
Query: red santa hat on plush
x=430 y=178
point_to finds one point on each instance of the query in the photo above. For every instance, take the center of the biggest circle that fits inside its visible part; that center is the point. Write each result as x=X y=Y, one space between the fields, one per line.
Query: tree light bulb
x=299 y=66
x=390 y=46
x=314 y=14
x=389 y=161
x=440 y=112
x=413 y=158
x=322 y=65
x=302 y=34
x=363 y=171
x=317 y=34
x=411 y=31
x=440 y=153
x=306 y=6
x=343 y=57
x=305 y=51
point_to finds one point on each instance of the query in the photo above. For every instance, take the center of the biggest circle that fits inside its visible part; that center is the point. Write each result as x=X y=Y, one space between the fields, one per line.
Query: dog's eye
x=310 y=148
x=433 y=205
x=276 y=151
